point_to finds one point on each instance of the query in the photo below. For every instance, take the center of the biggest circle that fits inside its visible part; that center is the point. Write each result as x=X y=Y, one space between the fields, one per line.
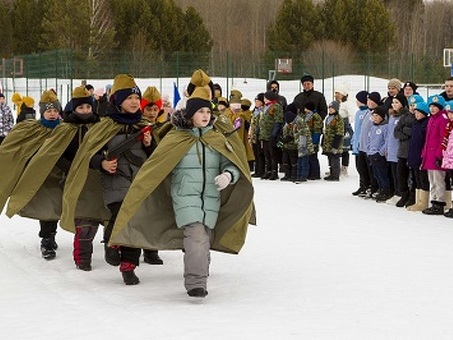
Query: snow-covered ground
x=321 y=264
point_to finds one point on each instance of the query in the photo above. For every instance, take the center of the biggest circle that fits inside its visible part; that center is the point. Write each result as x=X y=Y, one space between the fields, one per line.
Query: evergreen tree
x=27 y=17
x=336 y=17
x=6 y=27
x=196 y=37
x=296 y=26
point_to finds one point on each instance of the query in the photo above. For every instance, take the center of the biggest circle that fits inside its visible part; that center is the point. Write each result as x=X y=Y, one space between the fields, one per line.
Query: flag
x=176 y=96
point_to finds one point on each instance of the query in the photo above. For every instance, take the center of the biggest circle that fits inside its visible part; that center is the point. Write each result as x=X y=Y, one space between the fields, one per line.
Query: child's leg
x=83 y=243
x=47 y=232
x=196 y=256
x=437 y=183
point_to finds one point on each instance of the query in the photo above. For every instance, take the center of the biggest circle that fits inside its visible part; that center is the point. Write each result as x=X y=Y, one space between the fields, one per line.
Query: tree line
x=248 y=31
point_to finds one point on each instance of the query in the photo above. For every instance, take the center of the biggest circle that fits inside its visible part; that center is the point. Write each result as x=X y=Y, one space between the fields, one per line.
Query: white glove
x=222 y=180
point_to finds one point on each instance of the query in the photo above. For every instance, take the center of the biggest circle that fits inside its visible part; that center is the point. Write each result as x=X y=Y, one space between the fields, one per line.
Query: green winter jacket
x=272 y=115
x=147 y=218
x=333 y=134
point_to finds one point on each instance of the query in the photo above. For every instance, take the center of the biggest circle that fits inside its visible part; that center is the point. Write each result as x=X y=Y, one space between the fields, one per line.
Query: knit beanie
x=198 y=100
x=336 y=105
x=422 y=107
x=410 y=84
x=380 y=111
x=362 y=96
x=271 y=95
x=396 y=83
x=2 y=95
x=123 y=86
x=437 y=100
x=49 y=101
x=414 y=99
x=375 y=97
x=402 y=99
x=307 y=77
x=80 y=95
x=260 y=97
x=151 y=96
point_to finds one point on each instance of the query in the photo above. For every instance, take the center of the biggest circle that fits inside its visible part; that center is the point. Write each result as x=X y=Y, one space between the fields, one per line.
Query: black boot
x=403 y=200
x=127 y=271
x=437 y=208
x=411 y=200
x=112 y=255
x=383 y=195
x=198 y=292
x=449 y=213
x=273 y=176
x=265 y=175
x=359 y=191
x=152 y=257
x=47 y=248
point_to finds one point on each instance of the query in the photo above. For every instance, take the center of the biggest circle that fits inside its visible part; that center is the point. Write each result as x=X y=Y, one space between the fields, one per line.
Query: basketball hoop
x=284 y=65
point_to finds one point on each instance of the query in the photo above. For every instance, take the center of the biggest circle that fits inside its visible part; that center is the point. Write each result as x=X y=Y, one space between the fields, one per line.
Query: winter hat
x=410 y=84
x=271 y=95
x=402 y=99
x=292 y=108
x=245 y=103
x=235 y=93
x=414 y=99
x=198 y=99
x=335 y=105
x=80 y=95
x=310 y=106
x=223 y=101
x=151 y=96
x=380 y=111
x=437 y=100
x=200 y=79
x=108 y=88
x=375 y=97
x=449 y=106
x=307 y=77
x=260 y=97
x=342 y=89
x=273 y=82
x=422 y=107
x=396 y=83
x=99 y=92
x=89 y=87
x=289 y=116
x=123 y=86
x=362 y=96
x=235 y=100
x=49 y=101
x=2 y=95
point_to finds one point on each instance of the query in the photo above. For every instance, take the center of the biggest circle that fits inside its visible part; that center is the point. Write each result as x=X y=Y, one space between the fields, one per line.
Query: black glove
x=287 y=139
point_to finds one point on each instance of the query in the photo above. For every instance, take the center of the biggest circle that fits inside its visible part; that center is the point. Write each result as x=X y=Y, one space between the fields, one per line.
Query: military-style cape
x=146 y=218
x=19 y=146
x=96 y=137
x=38 y=193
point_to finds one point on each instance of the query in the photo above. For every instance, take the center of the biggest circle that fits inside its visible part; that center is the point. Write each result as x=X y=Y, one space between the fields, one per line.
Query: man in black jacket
x=310 y=94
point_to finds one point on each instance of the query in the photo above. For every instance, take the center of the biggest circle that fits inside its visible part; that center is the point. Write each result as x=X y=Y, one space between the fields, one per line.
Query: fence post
x=322 y=69
x=227 y=73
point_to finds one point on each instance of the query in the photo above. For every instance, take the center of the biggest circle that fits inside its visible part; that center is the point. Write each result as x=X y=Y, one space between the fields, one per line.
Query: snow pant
x=259 y=159
x=48 y=228
x=345 y=158
x=361 y=164
x=393 y=176
x=127 y=254
x=290 y=163
x=421 y=178
x=196 y=242
x=303 y=167
x=380 y=171
x=83 y=241
x=334 y=165
x=437 y=185
x=403 y=175
x=270 y=157
x=314 y=171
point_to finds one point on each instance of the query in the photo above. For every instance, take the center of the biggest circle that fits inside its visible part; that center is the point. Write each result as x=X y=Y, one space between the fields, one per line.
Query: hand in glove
x=222 y=180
